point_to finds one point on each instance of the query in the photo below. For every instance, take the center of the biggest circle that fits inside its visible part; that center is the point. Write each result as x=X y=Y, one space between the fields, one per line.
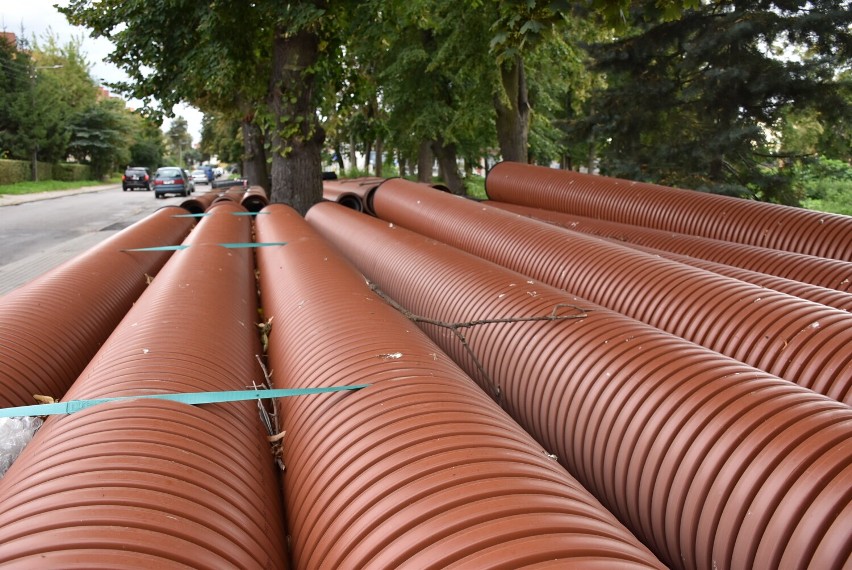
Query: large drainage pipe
x=712 y=463
x=354 y=193
x=155 y=483
x=671 y=209
x=829 y=297
x=420 y=469
x=199 y=203
x=798 y=340
x=254 y=199
x=340 y=191
x=830 y=273
x=52 y=326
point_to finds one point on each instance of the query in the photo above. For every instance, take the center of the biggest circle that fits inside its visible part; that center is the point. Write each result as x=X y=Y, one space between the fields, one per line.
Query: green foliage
x=835 y=196
x=475 y=187
x=31 y=187
x=50 y=109
x=826 y=184
x=690 y=102
x=355 y=173
x=97 y=136
x=14 y=171
x=71 y=172
x=684 y=93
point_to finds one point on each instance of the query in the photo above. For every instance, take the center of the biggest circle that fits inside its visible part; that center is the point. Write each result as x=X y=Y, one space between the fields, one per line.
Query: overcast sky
x=39 y=16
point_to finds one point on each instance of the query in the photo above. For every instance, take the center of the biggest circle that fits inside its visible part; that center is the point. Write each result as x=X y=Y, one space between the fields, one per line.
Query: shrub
x=14 y=171
x=70 y=171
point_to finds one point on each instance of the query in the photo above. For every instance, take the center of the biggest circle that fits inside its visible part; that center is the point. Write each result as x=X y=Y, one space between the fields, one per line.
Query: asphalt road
x=40 y=231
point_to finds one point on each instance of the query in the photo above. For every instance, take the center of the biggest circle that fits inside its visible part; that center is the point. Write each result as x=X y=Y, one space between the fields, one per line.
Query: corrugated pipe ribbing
x=828 y=297
x=672 y=209
x=199 y=203
x=52 y=326
x=420 y=469
x=254 y=199
x=154 y=483
x=798 y=340
x=712 y=463
x=342 y=191
x=829 y=273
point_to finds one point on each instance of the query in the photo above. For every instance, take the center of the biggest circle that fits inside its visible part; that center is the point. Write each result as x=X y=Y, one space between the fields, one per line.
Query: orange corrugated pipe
x=683 y=211
x=712 y=463
x=798 y=340
x=199 y=203
x=52 y=326
x=829 y=273
x=254 y=199
x=420 y=469
x=145 y=484
x=354 y=193
x=829 y=297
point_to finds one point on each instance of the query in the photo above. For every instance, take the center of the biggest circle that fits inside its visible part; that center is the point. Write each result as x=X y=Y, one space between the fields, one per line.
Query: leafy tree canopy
x=693 y=101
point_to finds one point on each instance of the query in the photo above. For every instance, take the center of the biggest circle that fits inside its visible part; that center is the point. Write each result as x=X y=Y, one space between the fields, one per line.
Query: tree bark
x=513 y=112
x=424 y=162
x=447 y=159
x=367 y=150
x=338 y=157
x=380 y=149
x=403 y=165
x=254 y=155
x=353 y=153
x=297 y=136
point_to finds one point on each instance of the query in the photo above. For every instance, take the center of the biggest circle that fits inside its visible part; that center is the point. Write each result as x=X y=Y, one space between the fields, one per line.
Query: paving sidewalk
x=17 y=273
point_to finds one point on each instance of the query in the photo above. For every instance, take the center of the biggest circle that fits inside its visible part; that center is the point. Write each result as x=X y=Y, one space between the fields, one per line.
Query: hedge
x=12 y=171
x=70 y=171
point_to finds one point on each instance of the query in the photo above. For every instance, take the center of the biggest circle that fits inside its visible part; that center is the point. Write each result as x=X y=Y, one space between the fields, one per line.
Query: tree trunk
x=513 y=112
x=468 y=168
x=353 y=153
x=368 y=148
x=380 y=149
x=447 y=159
x=296 y=141
x=403 y=165
x=424 y=162
x=338 y=157
x=254 y=156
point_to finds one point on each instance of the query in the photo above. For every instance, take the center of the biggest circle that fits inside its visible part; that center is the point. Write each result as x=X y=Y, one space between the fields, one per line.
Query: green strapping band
x=205 y=214
x=226 y=245
x=192 y=398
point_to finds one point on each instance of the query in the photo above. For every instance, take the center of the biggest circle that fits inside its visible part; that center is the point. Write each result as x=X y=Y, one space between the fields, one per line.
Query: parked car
x=136 y=177
x=200 y=177
x=172 y=180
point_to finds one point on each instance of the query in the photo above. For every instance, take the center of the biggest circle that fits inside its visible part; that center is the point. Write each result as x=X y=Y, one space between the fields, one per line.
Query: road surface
x=38 y=232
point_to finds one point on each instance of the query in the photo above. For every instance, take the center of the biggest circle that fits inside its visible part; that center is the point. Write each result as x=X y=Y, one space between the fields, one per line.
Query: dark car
x=136 y=177
x=172 y=180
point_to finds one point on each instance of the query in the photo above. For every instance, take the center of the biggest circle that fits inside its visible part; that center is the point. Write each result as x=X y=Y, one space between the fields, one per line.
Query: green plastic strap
x=226 y=245
x=258 y=244
x=192 y=398
x=205 y=214
x=159 y=248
